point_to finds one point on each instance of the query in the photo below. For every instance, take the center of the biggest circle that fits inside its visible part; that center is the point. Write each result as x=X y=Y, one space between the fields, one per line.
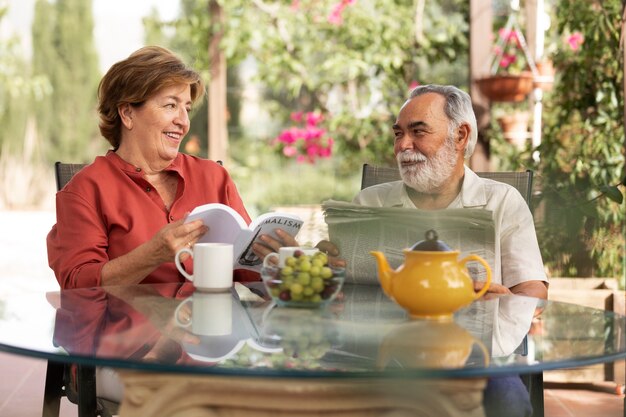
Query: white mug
x=285 y=252
x=212 y=266
x=211 y=314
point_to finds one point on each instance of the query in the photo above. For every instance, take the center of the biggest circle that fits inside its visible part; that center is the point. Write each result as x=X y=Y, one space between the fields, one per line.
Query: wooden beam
x=481 y=40
x=218 y=110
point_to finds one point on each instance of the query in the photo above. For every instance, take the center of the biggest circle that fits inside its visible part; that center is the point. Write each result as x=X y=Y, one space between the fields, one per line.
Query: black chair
x=77 y=382
x=523 y=182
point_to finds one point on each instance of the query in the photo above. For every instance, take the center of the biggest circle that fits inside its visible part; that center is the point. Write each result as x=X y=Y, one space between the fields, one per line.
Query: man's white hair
x=458 y=108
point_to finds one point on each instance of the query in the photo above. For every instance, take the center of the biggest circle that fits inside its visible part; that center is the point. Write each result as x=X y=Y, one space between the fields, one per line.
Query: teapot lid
x=431 y=243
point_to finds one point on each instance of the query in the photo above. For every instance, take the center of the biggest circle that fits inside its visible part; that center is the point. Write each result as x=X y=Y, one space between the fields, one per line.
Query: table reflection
x=360 y=332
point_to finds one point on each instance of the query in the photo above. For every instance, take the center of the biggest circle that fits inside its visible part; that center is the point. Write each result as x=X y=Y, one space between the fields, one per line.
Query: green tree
x=582 y=154
x=64 y=51
x=18 y=89
x=354 y=61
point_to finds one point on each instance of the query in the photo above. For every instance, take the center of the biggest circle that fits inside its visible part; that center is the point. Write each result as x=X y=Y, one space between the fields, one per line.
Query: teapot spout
x=384 y=271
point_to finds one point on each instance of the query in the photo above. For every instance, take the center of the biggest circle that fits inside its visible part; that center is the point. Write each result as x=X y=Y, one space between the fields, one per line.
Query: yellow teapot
x=432 y=283
x=429 y=345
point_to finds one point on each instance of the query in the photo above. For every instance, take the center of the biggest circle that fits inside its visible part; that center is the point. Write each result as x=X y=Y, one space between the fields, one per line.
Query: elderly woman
x=121 y=219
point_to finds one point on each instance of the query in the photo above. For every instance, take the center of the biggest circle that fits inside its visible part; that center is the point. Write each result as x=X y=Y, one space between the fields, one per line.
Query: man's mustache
x=411 y=156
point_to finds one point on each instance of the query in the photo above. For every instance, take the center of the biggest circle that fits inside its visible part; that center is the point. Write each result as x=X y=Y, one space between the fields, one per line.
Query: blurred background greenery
x=352 y=62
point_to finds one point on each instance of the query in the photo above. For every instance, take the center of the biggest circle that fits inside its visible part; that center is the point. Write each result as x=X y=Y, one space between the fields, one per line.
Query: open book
x=227 y=226
x=357 y=230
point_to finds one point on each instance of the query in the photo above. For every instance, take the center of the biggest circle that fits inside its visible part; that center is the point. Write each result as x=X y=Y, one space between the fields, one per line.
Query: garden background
x=313 y=87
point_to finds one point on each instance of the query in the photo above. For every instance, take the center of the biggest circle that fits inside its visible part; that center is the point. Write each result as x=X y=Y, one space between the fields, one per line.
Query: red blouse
x=108 y=209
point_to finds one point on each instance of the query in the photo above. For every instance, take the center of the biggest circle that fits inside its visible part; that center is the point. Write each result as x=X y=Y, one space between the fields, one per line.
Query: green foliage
x=266 y=180
x=17 y=90
x=64 y=52
x=582 y=160
x=355 y=70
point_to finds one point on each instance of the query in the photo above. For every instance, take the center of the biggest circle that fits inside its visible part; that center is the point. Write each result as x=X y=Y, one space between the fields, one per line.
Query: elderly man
x=434 y=132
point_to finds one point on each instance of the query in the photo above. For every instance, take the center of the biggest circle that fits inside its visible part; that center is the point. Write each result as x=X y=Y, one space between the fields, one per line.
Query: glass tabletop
x=172 y=328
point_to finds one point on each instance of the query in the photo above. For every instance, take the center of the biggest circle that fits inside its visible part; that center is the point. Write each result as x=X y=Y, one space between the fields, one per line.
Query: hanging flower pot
x=506 y=87
x=515 y=127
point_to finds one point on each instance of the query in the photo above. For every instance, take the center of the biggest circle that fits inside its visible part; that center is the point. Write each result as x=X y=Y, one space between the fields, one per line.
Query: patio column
x=217 y=130
x=481 y=16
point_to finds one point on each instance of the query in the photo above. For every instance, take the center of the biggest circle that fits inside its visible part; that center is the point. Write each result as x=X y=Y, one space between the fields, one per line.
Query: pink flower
x=295 y=5
x=312 y=119
x=307 y=143
x=312 y=151
x=296 y=116
x=507 y=59
x=413 y=84
x=335 y=18
x=575 y=40
x=290 y=151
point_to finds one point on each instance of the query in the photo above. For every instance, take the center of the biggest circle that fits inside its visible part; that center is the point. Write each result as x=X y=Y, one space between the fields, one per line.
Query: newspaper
x=357 y=230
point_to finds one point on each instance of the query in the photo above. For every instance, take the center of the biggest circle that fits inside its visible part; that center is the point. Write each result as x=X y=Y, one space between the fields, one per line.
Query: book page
x=224 y=223
x=227 y=226
x=357 y=230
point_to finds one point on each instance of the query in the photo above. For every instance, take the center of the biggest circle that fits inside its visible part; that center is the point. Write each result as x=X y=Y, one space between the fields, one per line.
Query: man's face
x=424 y=149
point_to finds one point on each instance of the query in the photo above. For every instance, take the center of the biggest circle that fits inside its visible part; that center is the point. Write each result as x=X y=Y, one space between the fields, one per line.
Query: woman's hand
x=162 y=247
x=175 y=236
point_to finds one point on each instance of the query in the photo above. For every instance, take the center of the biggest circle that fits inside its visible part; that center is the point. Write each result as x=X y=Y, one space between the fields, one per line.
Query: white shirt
x=517 y=254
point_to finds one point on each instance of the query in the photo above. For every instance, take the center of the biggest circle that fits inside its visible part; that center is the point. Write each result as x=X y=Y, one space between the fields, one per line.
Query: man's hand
x=330 y=249
x=494 y=290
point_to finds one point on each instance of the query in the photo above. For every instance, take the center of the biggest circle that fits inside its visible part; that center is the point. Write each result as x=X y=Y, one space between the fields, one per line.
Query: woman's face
x=161 y=123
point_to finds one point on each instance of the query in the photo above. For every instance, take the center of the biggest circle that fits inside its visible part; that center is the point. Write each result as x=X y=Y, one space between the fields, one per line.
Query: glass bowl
x=307 y=282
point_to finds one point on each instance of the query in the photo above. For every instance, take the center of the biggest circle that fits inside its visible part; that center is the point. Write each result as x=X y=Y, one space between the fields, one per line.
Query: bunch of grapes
x=305 y=278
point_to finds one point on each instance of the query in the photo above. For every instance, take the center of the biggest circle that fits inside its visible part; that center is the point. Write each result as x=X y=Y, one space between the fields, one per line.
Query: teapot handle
x=484 y=263
x=485 y=352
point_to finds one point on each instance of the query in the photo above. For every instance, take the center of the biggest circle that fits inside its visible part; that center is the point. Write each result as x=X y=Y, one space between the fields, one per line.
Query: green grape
x=315 y=271
x=317 y=262
x=317 y=284
x=308 y=291
x=303 y=278
x=305 y=265
x=296 y=289
x=326 y=272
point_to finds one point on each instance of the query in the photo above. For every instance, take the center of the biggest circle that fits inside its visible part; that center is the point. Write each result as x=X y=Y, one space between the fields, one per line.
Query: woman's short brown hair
x=137 y=78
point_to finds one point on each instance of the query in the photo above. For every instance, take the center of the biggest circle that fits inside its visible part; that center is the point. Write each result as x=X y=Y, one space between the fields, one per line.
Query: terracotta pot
x=545 y=79
x=515 y=127
x=506 y=87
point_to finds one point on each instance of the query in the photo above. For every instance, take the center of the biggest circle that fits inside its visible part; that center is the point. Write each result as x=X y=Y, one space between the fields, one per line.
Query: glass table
x=180 y=351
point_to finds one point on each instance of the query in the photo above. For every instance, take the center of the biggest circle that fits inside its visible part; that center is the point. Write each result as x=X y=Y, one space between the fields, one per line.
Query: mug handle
x=177 y=313
x=266 y=262
x=178 y=264
x=484 y=263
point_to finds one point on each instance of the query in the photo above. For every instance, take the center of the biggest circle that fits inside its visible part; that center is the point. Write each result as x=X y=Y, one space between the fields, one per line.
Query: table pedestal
x=152 y=395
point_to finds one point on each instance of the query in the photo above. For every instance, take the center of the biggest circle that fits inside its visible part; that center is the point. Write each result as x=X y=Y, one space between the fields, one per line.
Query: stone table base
x=152 y=395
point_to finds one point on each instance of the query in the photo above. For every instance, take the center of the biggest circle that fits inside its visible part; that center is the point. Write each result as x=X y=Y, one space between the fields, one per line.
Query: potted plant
x=510 y=81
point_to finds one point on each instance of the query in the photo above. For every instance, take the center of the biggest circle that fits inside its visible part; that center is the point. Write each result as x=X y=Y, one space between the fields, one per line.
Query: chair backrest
x=522 y=181
x=63 y=173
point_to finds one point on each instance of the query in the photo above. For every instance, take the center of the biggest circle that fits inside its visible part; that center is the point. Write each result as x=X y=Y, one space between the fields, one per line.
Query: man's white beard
x=429 y=173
